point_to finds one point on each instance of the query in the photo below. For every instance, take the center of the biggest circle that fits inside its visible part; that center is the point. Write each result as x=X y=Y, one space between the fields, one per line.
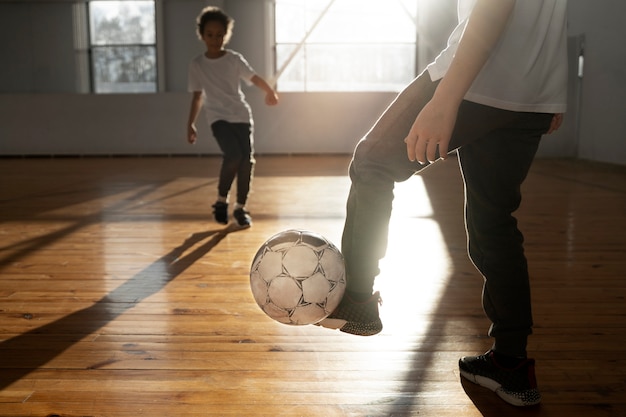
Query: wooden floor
x=119 y=296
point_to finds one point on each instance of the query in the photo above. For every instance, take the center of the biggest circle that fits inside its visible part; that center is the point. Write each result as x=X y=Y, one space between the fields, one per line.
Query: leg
x=226 y=135
x=379 y=161
x=493 y=169
x=245 y=171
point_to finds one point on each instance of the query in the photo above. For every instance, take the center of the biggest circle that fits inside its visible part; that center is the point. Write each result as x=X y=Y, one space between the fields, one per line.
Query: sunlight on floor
x=417 y=266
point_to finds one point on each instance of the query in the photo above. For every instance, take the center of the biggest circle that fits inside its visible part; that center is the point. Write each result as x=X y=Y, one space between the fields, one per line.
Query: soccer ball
x=298 y=277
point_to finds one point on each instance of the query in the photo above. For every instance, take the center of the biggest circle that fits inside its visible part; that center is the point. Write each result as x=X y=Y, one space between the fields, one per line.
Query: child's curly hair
x=212 y=13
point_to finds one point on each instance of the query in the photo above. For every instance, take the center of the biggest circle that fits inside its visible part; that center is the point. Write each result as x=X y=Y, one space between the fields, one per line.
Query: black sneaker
x=361 y=319
x=220 y=212
x=516 y=386
x=243 y=217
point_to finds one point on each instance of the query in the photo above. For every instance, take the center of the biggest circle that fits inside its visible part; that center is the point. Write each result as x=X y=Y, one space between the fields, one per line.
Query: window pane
x=345 y=45
x=122 y=22
x=365 y=21
x=350 y=67
x=293 y=78
x=124 y=69
x=294 y=18
x=123 y=49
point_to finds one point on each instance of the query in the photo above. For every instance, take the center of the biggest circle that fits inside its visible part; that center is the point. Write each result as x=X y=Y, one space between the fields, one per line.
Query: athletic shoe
x=220 y=212
x=243 y=217
x=361 y=319
x=516 y=386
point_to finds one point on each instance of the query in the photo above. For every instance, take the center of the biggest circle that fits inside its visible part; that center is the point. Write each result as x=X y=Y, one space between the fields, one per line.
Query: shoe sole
x=357 y=329
x=496 y=387
x=334 y=324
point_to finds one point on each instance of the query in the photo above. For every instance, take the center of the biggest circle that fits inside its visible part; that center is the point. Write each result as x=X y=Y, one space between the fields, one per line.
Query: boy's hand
x=557 y=120
x=271 y=98
x=192 y=134
x=430 y=132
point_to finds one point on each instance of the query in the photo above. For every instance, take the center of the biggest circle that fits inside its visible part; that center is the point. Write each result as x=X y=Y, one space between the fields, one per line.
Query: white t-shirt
x=219 y=80
x=527 y=70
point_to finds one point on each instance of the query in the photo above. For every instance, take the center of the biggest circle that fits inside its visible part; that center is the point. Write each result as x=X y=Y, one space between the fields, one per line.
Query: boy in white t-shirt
x=492 y=93
x=214 y=80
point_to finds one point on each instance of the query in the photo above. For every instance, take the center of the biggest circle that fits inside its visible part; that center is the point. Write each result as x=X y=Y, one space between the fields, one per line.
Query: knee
x=363 y=166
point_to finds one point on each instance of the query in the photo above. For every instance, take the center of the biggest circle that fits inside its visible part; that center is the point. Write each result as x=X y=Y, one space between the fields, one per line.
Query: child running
x=214 y=80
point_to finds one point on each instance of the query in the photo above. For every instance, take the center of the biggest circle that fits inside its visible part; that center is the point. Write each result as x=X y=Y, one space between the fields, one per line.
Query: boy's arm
x=196 y=104
x=433 y=126
x=271 y=98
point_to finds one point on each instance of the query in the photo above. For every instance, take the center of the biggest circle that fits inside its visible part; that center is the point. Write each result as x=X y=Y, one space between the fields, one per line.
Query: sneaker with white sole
x=358 y=318
x=243 y=218
x=517 y=386
x=220 y=212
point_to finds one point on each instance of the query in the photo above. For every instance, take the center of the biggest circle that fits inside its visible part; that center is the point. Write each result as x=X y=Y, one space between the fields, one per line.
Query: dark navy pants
x=237 y=145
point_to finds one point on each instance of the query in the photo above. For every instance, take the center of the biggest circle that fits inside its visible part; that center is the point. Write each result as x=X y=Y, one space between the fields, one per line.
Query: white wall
x=42 y=123
x=145 y=124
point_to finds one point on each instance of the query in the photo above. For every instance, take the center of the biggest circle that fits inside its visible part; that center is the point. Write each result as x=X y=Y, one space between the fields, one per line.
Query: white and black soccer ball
x=298 y=277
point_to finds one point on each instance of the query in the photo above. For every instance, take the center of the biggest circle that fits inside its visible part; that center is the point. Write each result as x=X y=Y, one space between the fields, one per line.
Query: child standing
x=492 y=93
x=214 y=80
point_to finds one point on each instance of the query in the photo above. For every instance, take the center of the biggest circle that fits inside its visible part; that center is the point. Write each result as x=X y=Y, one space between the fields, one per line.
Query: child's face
x=213 y=36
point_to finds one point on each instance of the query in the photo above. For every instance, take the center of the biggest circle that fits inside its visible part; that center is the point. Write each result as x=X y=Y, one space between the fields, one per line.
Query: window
x=123 y=46
x=345 y=45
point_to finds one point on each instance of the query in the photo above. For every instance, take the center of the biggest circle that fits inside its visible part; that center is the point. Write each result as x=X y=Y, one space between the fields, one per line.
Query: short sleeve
x=246 y=72
x=193 y=79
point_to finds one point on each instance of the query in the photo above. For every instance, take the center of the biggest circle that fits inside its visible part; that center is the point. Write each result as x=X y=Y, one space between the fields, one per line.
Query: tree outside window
x=123 y=46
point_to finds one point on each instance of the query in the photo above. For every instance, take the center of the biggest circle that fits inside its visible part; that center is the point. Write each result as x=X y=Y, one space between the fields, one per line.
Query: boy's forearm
x=194 y=109
x=193 y=114
x=262 y=84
